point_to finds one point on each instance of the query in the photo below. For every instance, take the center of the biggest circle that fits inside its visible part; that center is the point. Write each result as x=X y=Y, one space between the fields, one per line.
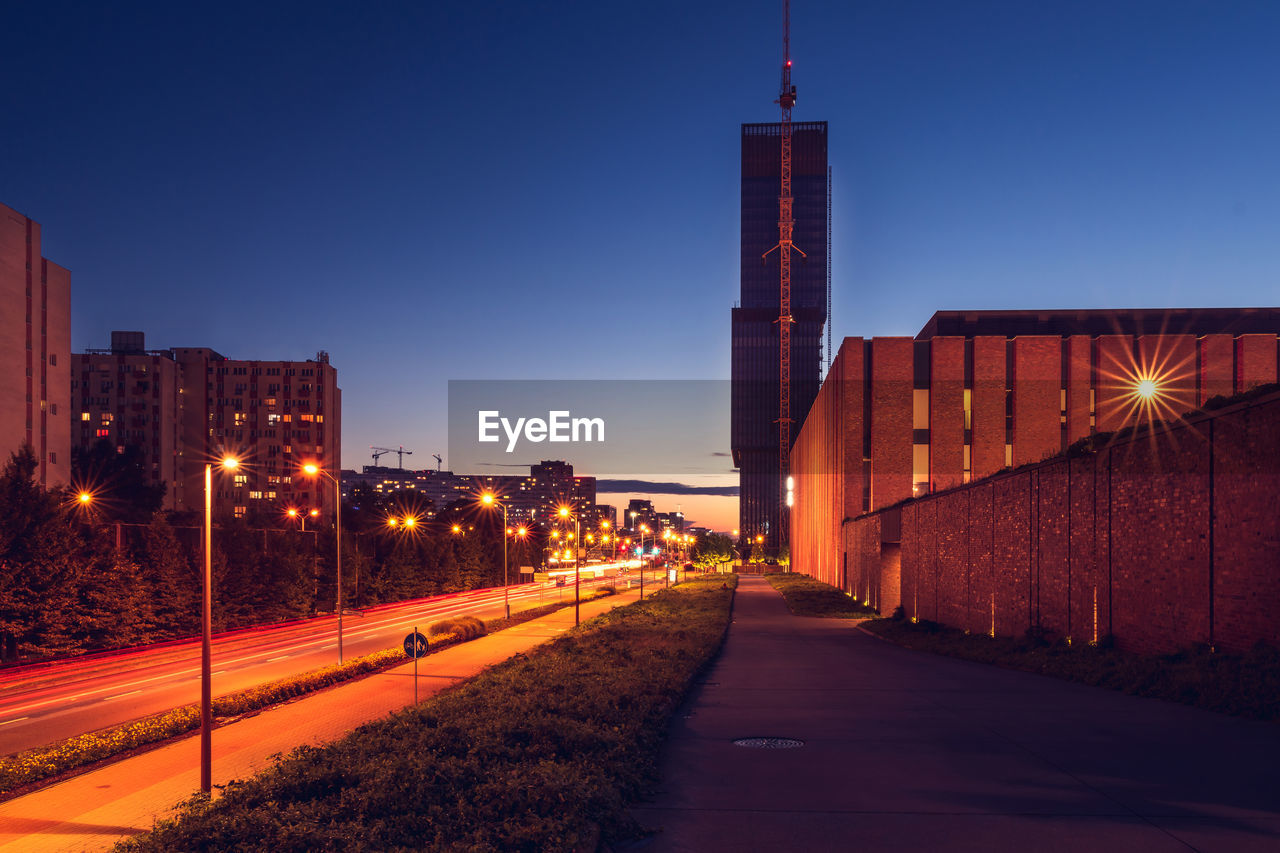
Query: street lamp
x=488 y=499
x=228 y=463
x=311 y=469
x=565 y=513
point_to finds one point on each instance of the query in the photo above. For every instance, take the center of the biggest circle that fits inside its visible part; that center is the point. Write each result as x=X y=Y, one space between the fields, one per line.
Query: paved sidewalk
x=94 y=810
x=907 y=750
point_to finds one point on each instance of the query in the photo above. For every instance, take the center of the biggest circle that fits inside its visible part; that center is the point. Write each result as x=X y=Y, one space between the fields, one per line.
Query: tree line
x=117 y=572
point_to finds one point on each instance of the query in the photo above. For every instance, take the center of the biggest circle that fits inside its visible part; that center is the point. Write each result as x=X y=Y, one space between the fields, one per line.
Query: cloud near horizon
x=662 y=488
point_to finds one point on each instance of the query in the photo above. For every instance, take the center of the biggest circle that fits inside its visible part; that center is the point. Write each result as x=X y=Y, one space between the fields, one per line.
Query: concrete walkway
x=906 y=750
x=94 y=810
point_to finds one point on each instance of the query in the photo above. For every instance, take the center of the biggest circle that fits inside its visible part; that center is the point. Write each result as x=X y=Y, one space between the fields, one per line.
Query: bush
x=463 y=627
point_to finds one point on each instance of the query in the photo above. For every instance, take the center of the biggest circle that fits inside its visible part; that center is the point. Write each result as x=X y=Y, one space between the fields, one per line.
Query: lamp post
x=488 y=499
x=228 y=463
x=311 y=469
x=577 y=563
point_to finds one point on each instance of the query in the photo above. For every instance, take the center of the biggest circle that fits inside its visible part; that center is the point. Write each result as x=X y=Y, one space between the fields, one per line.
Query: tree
x=124 y=489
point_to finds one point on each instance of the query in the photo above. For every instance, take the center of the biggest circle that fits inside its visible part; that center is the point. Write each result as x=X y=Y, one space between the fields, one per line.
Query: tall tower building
x=35 y=351
x=756 y=346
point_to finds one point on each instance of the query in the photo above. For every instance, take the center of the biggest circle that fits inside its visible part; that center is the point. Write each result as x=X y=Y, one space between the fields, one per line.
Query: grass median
x=808 y=597
x=27 y=770
x=1243 y=685
x=541 y=752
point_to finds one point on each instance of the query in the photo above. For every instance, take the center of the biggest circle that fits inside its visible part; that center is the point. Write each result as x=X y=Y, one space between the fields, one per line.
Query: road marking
x=16 y=720
x=427 y=612
x=121 y=695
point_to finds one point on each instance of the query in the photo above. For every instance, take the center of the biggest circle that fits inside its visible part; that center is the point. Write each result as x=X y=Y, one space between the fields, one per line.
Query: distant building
x=35 y=350
x=129 y=396
x=756 y=355
x=191 y=405
x=276 y=415
x=535 y=497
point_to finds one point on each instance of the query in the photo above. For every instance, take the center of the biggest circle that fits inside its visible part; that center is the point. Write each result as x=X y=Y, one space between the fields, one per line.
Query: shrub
x=463 y=627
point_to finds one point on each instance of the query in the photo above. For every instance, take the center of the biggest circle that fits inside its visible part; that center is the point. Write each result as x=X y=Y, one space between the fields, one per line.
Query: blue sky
x=547 y=191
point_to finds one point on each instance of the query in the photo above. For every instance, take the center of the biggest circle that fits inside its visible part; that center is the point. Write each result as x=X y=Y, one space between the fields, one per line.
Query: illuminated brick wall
x=977 y=392
x=1163 y=539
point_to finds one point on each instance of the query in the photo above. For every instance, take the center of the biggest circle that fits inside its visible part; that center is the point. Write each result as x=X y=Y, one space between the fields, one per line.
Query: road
x=44 y=703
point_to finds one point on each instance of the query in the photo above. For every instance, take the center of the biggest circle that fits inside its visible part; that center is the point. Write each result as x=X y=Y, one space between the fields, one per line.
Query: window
x=103 y=433
x=84 y=416
x=53 y=359
x=240 y=511
x=53 y=457
x=242 y=479
x=255 y=496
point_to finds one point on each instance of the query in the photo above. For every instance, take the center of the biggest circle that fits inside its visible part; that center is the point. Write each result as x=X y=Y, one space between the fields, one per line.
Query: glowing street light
x=489 y=499
x=565 y=513
x=227 y=463
x=311 y=469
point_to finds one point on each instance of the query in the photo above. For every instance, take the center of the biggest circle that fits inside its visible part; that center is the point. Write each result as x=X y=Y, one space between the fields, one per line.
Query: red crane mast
x=786 y=100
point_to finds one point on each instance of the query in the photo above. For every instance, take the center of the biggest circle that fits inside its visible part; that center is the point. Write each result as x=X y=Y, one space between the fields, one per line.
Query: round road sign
x=415 y=645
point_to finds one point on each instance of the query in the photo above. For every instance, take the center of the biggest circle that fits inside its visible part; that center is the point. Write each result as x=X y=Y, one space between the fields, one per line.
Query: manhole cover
x=768 y=742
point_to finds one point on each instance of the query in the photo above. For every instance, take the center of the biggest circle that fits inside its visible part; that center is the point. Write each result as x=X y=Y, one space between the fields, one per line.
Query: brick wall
x=1166 y=539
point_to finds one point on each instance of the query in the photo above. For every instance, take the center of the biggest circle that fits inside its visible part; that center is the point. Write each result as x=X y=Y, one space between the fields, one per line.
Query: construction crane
x=786 y=100
x=381 y=451
x=439 y=461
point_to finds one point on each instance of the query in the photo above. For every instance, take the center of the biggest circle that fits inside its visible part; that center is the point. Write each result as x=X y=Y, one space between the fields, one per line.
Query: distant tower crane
x=381 y=451
x=786 y=100
x=439 y=461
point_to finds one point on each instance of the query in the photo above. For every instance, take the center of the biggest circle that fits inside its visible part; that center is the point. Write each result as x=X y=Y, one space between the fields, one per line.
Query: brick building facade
x=977 y=392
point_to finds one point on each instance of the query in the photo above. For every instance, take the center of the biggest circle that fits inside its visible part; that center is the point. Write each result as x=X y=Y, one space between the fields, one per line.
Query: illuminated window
x=240 y=511
x=271 y=496
x=107 y=417
x=241 y=418
x=242 y=479
x=84 y=416
x=103 y=433
x=255 y=496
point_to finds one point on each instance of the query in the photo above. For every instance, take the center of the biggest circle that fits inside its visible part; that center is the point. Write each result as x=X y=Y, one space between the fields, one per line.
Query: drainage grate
x=768 y=742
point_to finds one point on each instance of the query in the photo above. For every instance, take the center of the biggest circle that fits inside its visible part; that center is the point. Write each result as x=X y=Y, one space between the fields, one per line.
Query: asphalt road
x=41 y=704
